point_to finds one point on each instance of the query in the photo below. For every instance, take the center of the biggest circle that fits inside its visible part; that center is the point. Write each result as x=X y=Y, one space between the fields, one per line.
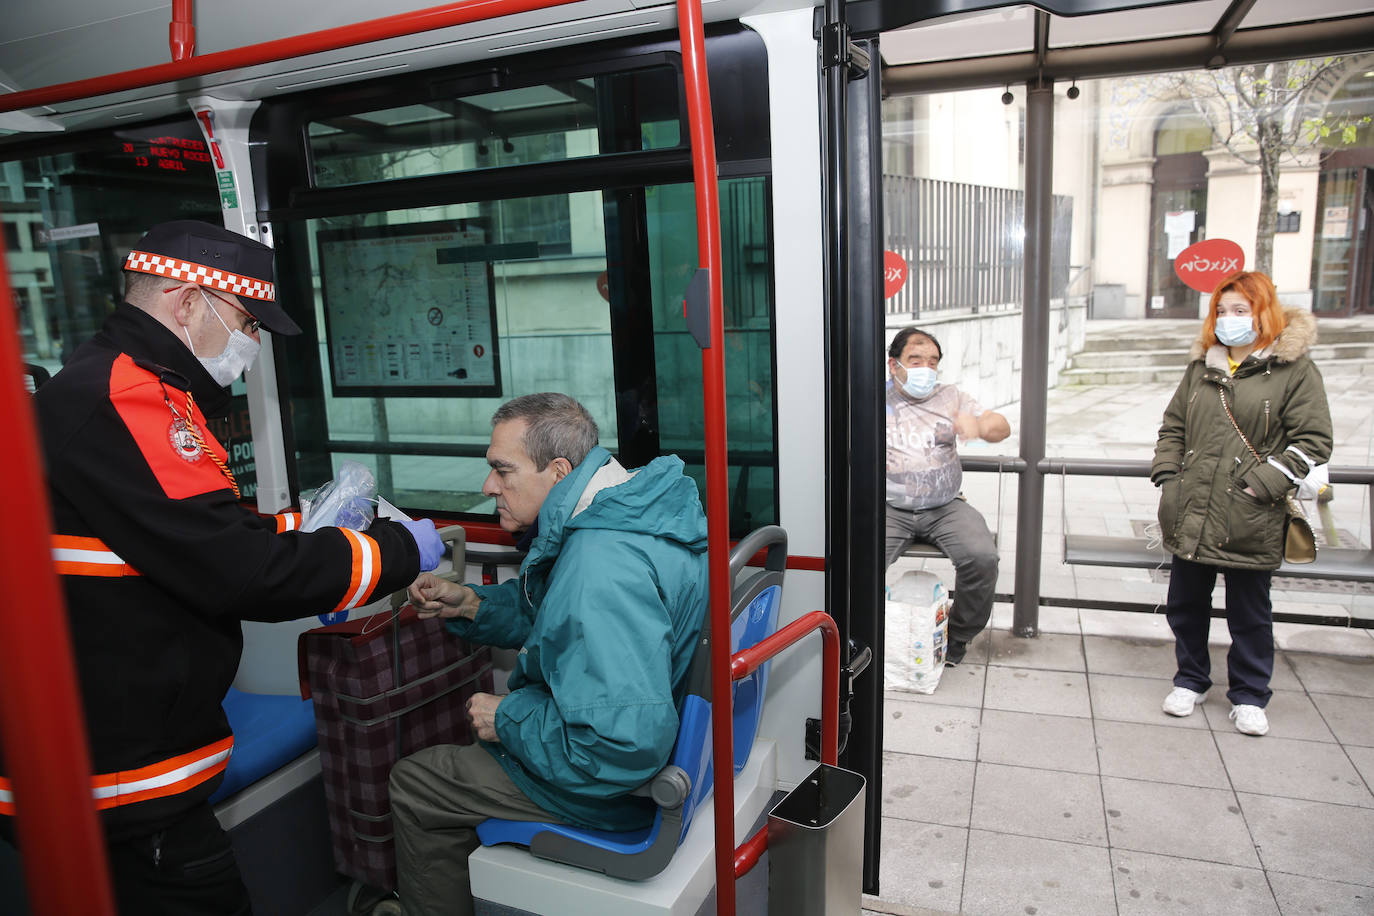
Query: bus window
x=72 y=208
x=535 y=230
x=553 y=121
x=367 y=399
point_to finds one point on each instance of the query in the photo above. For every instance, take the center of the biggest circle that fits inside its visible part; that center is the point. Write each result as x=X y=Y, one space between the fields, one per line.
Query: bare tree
x=1267 y=115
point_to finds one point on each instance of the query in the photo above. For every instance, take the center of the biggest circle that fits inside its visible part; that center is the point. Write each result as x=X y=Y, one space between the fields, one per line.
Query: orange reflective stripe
x=367 y=569
x=157 y=780
x=83 y=556
x=288 y=521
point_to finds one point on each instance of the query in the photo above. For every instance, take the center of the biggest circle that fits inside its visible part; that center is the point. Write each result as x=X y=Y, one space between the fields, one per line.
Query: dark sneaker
x=955 y=654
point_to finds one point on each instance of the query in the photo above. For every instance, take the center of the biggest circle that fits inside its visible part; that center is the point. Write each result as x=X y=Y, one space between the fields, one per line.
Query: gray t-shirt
x=922 y=458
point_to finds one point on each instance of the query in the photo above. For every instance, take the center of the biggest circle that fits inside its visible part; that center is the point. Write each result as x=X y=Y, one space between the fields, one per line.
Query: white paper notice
x=387 y=510
x=1178 y=227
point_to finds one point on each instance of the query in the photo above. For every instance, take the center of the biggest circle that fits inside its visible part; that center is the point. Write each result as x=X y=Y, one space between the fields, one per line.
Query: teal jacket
x=605 y=613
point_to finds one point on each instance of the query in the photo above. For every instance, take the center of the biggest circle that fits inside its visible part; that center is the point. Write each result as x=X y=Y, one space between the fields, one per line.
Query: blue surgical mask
x=1235 y=330
x=920 y=382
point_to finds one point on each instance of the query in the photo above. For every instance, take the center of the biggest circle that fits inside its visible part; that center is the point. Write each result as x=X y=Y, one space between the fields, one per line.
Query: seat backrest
x=755 y=602
x=34 y=376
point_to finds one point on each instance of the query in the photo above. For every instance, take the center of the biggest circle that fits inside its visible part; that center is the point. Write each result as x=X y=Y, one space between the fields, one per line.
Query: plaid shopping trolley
x=383 y=687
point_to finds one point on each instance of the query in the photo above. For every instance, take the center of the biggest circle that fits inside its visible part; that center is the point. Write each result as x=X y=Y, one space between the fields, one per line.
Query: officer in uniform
x=160 y=561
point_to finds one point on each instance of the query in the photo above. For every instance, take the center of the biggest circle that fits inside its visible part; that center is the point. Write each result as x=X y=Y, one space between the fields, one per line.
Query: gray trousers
x=438 y=796
x=960 y=532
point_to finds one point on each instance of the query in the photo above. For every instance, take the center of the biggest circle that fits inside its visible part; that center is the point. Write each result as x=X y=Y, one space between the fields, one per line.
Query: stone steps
x=1104 y=360
x=1158 y=373
x=1135 y=352
x=1143 y=334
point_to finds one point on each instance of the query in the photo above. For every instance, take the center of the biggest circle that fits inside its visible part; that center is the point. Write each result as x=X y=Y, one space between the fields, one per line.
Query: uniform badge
x=183 y=441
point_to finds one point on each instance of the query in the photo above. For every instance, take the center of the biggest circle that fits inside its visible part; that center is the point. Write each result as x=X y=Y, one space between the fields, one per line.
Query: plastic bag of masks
x=917 y=617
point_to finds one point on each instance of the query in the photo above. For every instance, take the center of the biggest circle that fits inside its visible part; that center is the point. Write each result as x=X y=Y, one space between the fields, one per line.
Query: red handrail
x=703 y=135
x=749 y=852
x=331 y=39
x=702 y=131
x=746 y=661
x=181 y=34
x=46 y=756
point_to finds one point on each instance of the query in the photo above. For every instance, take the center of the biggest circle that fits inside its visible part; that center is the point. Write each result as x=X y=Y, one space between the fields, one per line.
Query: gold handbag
x=1299 y=544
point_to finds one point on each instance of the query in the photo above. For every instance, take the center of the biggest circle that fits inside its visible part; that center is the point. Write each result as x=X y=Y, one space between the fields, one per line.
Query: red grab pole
x=44 y=733
x=181 y=34
x=703 y=136
x=344 y=36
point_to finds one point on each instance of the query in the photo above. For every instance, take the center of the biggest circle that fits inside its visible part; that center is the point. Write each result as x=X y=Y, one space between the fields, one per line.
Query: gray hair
x=140 y=289
x=556 y=427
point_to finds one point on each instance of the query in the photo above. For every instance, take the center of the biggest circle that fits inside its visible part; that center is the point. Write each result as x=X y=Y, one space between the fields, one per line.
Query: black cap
x=195 y=252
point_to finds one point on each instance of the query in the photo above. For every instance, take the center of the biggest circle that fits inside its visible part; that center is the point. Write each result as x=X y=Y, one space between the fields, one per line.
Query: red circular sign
x=603 y=285
x=894 y=273
x=1203 y=265
x=479 y=351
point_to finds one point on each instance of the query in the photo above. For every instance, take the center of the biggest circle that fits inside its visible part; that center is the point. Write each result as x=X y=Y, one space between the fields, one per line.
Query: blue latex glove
x=427 y=539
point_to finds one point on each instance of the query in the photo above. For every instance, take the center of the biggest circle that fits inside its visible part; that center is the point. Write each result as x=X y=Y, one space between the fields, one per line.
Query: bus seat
x=680 y=787
x=34 y=376
x=755 y=603
x=270 y=730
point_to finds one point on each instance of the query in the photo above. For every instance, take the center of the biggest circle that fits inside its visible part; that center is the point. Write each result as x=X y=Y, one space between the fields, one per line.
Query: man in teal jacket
x=605 y=613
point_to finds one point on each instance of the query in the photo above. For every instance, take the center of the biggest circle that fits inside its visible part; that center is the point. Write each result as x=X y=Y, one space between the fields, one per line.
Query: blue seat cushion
x=628 y=842
x=270 y=731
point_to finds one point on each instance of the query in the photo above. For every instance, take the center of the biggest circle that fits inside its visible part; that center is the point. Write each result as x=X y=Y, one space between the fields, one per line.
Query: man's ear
x=184 y=302
x=562 y=467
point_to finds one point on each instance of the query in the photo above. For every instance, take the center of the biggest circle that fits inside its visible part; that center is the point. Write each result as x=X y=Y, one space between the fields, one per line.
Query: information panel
x=410 y=310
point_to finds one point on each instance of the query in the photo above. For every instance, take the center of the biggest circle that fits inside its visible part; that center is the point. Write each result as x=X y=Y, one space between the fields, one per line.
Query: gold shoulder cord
x=189 y=425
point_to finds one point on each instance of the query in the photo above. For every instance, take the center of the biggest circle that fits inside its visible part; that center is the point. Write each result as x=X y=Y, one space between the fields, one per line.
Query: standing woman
x=1246 y=421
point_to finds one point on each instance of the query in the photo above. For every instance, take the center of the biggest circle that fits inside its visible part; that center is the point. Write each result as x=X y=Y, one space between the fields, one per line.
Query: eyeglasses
x=253 y=323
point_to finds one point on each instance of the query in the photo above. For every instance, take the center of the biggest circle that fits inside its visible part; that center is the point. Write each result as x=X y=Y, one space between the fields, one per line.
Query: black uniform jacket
x=159 y=563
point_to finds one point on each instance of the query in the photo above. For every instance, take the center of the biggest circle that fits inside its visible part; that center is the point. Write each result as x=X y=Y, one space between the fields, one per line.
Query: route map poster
x=410 y=310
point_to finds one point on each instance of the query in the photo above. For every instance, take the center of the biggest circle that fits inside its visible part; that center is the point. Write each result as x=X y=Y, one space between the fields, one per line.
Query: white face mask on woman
x=238 y=353
x=1235 y=330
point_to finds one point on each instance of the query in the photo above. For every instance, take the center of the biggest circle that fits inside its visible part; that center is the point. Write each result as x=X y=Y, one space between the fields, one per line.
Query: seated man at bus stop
x=605 y=612
x=924 y=421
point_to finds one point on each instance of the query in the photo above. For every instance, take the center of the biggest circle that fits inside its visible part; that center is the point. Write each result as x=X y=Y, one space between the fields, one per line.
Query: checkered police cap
x=191 y=251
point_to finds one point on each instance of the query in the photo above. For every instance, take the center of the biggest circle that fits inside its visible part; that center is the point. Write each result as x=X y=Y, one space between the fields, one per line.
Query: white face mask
x=1235 y=330
x=238 y=354
x=920 y=382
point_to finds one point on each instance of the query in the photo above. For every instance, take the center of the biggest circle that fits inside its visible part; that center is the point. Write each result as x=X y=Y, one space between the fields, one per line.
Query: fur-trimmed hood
x=1294 y=341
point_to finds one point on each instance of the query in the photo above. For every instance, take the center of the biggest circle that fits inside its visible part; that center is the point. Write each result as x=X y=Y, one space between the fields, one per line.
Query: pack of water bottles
x=915 y=632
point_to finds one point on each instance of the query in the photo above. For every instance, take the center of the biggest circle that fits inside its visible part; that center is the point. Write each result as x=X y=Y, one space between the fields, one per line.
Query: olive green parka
x=1203 y=467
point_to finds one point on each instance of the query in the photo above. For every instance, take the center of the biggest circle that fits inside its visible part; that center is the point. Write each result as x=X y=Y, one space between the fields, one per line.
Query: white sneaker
x=1181 y=700
x=1250 y=720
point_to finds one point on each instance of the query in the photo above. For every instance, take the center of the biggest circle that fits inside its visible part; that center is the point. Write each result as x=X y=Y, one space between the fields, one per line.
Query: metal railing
x=964 y=245
x=1140 y=468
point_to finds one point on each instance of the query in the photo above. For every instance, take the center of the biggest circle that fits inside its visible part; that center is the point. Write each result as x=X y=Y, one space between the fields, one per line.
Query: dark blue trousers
x=1249 y=616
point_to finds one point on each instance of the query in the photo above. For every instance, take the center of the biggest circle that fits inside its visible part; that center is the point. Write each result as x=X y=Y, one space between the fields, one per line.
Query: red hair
x=1259 y=291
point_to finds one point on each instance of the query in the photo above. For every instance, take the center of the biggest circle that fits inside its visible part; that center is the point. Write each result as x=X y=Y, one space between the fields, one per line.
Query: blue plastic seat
x=270 y=731
x=680 y=787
